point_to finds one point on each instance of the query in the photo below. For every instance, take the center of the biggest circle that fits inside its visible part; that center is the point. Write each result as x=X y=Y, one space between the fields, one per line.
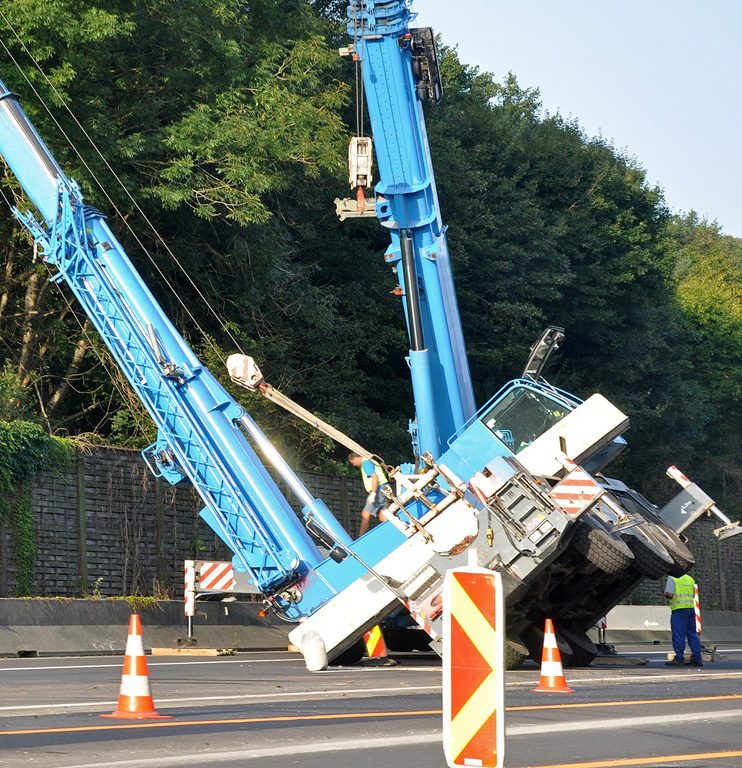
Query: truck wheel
x=608 y=554
x=583 y=648
x=682 y=557
x=513 y=657
x=650 y=558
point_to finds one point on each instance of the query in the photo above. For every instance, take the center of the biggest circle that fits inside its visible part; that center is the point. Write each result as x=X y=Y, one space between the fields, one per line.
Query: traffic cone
x=552 y=672
x=135 y=698
x=375 y=645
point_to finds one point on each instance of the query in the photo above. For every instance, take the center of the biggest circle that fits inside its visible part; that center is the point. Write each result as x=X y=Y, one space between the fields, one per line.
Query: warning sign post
x=473 y=668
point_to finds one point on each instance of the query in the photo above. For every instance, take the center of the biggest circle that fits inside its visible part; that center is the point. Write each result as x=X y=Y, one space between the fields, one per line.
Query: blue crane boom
x=199 y=424
x=493 y=487
x=203 y=434
x=432 y=520
x=527 y=424
x=390 y=54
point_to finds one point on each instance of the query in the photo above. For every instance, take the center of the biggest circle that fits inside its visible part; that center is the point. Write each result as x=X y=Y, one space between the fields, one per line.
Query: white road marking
x=213 y=756
x=150 y=664
x=720 y=650
x=384 y=742
x=677 y=676
x=617 y=723
x=351 y=692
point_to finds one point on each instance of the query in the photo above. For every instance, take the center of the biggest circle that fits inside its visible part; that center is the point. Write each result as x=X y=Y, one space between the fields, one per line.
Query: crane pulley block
x=360 y=162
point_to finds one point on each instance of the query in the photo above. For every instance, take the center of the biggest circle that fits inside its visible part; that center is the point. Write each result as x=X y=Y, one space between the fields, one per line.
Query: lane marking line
x=149 y=664
x=687 y=758
x=292 y=718
x=232 y=721
x=679 y=676
x=354 y=692
x=631 y=702
x=352 y=745
x=620 y=722
x=310 y=748
x=721 y=651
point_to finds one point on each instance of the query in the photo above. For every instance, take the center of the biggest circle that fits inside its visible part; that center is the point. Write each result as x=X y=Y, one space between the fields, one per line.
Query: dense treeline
x=229 y=128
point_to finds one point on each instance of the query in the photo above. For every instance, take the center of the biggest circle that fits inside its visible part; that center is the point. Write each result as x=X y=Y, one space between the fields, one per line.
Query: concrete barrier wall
x=63 y=627
x=649 y=623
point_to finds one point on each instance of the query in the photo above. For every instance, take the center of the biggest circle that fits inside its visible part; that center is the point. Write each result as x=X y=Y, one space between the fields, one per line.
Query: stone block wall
x=106 y=525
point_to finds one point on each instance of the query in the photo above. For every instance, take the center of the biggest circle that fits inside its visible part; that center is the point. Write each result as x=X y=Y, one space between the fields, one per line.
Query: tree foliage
x=228 y=123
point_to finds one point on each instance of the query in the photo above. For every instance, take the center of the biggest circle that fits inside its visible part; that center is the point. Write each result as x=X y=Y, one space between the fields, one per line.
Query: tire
x=513 y=657
x=650 y=558
x=583 y=648
x=682 y=557
x=352 y=655
x=608 y=554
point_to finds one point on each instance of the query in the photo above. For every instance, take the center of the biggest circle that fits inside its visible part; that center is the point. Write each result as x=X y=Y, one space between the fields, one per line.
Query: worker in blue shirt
x=374 y=480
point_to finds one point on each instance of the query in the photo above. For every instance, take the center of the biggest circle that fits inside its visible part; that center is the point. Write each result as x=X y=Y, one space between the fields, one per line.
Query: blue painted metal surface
x=444 y=398
x=198 y=437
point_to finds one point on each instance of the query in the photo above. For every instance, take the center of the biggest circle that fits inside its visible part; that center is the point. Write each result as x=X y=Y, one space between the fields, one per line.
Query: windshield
x=522 y=416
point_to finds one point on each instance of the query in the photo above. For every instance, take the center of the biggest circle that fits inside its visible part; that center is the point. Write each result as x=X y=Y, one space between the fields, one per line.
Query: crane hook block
x=360 y=162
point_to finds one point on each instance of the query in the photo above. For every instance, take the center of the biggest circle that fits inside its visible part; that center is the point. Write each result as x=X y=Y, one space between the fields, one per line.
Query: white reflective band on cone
x=134 y=645
x=551 y=669
x=550 y=640
x=134 y=685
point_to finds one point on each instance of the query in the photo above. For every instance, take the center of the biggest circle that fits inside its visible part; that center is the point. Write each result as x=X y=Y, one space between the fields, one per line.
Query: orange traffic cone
x=552 y=672
x=135 y=698
x=375 y=645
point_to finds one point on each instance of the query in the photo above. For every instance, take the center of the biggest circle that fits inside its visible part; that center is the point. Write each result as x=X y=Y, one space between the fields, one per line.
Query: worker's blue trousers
x=683 y=625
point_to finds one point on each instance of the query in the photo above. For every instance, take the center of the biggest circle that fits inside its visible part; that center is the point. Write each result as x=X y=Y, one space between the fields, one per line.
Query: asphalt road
x=265 y=710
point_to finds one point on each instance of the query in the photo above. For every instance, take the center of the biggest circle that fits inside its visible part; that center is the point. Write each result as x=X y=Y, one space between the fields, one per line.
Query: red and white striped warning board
x=473 y=668
x=576 y=491
x=697 y=608
x=215 y=576
x=205 y=576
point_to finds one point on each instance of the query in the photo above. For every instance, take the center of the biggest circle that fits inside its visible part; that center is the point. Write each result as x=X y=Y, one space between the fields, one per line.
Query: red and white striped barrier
x=678 y=476
x=204 y=576
x=215 y=576
x=697 y=607
x=576 y=491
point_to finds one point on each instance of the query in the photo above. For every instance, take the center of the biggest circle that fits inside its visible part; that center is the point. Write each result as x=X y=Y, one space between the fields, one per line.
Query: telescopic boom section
x=399 y=69
x=199 y=434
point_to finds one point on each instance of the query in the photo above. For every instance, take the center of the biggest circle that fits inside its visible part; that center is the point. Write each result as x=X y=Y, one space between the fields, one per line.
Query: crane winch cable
x=222 y=323
x=115 y=381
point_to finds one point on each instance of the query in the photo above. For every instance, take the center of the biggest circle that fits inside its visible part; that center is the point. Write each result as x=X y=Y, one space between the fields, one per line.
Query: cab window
x=523 y=415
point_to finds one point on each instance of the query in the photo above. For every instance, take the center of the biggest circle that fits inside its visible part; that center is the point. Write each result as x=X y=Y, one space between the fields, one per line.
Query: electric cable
x=222 y=323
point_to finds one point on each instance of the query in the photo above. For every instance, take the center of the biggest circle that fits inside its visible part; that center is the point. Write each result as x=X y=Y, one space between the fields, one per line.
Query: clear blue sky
x=661 y=79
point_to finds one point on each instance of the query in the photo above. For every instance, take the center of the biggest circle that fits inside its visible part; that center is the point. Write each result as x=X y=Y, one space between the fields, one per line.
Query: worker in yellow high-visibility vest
x=374 y=479
x=681 y=592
